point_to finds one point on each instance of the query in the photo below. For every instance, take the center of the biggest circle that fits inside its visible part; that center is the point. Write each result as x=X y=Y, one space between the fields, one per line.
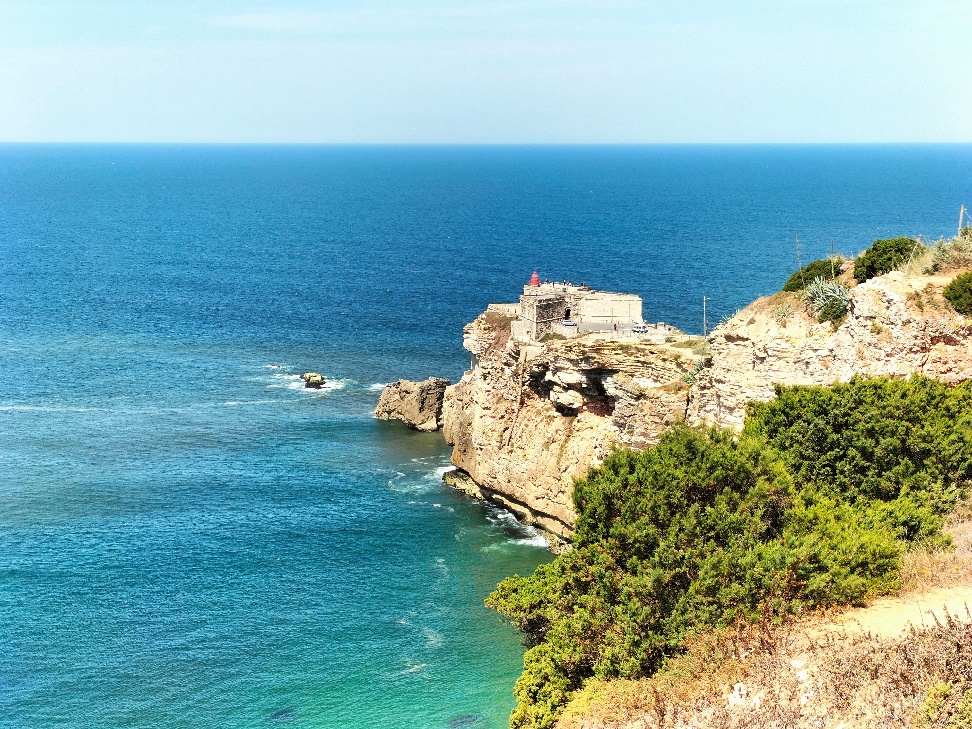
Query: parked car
x=640 y=329
x=569 y=323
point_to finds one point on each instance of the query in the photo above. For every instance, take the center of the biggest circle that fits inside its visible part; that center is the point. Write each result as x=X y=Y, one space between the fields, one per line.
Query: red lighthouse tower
x=535 y=279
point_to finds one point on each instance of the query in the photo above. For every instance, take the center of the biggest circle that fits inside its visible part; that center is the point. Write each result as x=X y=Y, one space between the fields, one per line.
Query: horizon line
x=90 y=143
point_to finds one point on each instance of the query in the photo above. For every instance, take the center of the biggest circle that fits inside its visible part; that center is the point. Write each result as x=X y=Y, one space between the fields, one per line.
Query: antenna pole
x=961 y=215
x=799 y=262
x=705 y=321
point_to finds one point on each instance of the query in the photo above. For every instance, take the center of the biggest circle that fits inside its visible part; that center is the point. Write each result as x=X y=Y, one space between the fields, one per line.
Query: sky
x=486 y=71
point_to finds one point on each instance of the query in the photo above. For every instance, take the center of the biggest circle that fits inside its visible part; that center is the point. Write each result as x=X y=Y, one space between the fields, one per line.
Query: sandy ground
x=890 y=617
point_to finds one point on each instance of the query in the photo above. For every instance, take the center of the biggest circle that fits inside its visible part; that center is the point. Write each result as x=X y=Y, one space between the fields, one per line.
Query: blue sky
x=487 y=71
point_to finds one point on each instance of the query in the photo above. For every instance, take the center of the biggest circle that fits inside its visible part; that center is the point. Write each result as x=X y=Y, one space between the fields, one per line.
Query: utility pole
x=705 y=321
x=961 y=215
x=799 y=262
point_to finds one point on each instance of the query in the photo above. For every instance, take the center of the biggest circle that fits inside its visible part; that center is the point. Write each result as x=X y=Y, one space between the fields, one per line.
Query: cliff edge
x=896 y=325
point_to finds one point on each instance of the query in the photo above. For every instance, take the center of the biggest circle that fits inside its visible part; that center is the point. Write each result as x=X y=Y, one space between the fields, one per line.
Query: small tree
x=959 y=293
x=826 y=268
x=883 y=256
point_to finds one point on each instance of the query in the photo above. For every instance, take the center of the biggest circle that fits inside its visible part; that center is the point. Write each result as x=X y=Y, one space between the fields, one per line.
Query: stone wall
x=543 y=313
x=602 y=307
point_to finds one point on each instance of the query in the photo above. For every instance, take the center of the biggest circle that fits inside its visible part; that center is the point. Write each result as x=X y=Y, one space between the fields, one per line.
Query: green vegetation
x=781 y=313
x=935 y=711
x=885 y=255
x=826 y=268
x=811 y=505
x=690 y=377
x=949 y=253
x=959 y=293
x=829 y=300
x=691 y=343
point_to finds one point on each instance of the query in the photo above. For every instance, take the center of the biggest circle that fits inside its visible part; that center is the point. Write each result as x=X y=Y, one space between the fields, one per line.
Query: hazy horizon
x=486 y=72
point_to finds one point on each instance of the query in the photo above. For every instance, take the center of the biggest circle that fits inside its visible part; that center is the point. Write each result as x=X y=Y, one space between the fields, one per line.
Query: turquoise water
x=188 y=538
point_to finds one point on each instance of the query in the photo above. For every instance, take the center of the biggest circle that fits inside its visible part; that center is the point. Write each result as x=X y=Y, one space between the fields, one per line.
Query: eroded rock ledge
x=896 y=326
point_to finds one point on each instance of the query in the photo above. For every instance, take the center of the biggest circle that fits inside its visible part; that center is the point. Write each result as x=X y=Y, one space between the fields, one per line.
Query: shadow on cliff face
x=593 y=394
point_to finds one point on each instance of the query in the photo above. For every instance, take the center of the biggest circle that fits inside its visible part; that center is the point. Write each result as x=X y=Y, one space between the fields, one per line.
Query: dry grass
x=500 y=327
x=689 y=343
x=941 y=256
x=929 y=569
x=778 y=677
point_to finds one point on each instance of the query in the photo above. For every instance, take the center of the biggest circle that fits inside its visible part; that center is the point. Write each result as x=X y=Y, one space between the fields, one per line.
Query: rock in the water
x=313 y=380
x=417 y=404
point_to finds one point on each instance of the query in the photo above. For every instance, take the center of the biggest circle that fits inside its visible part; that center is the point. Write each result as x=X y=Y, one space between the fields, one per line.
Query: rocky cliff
x=526 y=420
x=417 y=404
x=896 y=325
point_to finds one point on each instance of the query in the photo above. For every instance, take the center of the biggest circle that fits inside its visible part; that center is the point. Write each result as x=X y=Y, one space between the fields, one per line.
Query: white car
x=640 y=329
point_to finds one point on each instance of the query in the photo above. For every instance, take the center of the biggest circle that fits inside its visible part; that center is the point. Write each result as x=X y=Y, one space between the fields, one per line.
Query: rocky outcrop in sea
x=417 y=404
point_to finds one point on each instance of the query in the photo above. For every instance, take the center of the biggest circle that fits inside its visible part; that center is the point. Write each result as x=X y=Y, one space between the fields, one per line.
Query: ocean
x=189 y=538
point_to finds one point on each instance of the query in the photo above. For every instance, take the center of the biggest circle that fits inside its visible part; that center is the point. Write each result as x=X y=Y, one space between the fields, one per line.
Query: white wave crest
x=47 y=409
x=438 y=473
x=293 y=382
x=521 y=534
x=537 y=540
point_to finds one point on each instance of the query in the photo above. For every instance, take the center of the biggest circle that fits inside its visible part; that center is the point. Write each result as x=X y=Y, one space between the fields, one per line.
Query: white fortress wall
x=603 y=307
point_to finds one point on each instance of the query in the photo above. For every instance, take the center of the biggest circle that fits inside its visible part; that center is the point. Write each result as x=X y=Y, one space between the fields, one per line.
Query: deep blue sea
x=190 y=539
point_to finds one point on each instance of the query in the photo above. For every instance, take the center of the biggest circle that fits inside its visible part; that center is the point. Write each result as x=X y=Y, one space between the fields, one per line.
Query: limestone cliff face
x=896 y=326
x=529 y=419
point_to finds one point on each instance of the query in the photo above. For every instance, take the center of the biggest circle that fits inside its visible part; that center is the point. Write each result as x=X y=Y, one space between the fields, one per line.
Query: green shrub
x=883 y=256
x=959 y=293
x=811 y=505
x=826 y=268
x=954 y=252
x=875 y=440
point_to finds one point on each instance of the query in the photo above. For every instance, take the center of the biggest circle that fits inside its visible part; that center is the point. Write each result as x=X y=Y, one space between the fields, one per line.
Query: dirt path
x=890 y=617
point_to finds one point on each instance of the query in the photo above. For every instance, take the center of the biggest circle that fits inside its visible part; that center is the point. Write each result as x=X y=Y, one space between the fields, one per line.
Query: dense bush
x=902 y=447
x=826 y=268
x=811 y=505
x=883 y=256
x=959 y=293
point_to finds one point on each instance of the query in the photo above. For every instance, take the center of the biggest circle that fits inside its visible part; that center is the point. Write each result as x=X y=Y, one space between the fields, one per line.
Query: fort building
x=568 y=310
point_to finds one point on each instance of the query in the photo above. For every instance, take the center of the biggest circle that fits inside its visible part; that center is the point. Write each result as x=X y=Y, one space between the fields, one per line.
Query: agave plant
x=829 y=300
x=692 y=375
